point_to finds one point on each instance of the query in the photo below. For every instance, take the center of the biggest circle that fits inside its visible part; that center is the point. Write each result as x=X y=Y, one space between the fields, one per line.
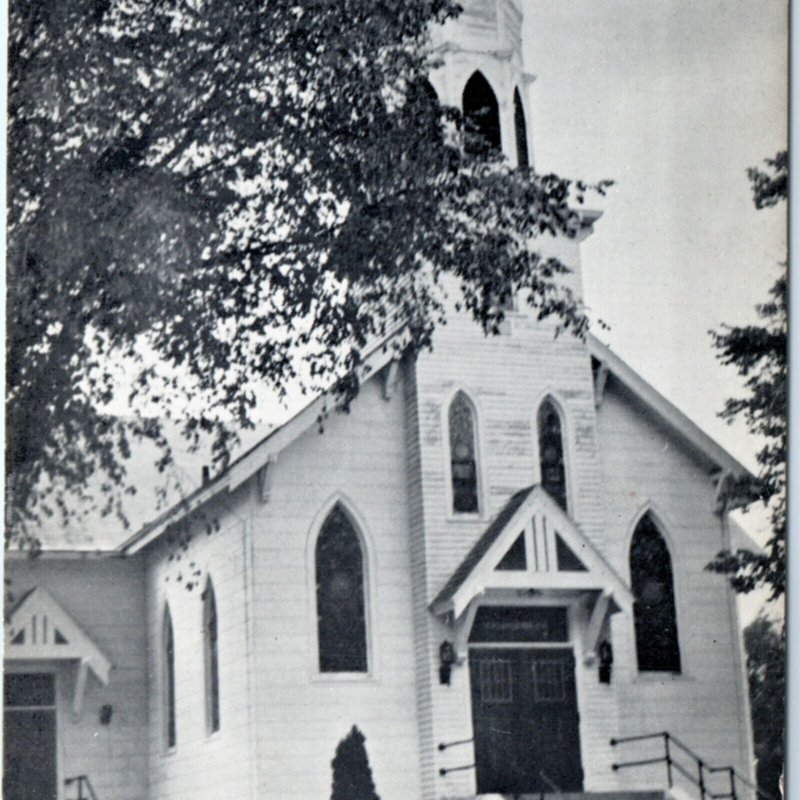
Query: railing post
x=701 y=782
x=80 y=788
x=668 y=759
x=732 y=776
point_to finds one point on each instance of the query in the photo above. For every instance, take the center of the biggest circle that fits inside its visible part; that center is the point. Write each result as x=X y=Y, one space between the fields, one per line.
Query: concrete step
x=648 y=795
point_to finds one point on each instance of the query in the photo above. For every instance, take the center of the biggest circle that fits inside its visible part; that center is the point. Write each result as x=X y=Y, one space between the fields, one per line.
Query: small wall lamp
x=447 y=657
x=605 y=658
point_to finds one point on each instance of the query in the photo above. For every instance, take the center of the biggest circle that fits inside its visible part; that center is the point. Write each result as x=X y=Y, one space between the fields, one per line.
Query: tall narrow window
x=654 y=600
x=211 y=653
x=168 y=687
x=481 y=115
x=520 y=131
x=552 y=472
x=463 y=464
x=341 y=617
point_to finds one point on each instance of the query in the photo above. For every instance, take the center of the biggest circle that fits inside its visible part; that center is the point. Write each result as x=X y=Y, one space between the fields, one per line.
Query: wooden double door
x=525 y=720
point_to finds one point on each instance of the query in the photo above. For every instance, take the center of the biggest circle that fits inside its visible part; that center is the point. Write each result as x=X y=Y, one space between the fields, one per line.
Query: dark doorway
x=525 y=720
x=29 y=737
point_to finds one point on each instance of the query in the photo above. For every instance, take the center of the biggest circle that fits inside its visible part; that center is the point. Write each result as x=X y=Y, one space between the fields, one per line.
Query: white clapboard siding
x=705 y=706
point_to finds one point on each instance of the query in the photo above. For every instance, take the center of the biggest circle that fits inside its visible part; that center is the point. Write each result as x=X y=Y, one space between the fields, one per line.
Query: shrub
x=352 y=775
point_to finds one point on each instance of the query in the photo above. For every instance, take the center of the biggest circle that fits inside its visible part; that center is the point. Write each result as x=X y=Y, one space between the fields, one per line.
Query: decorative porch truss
x=39 y=629
x=531 y=548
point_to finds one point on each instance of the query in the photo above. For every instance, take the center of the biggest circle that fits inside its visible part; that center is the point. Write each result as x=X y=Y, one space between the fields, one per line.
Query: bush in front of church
x=352 y=775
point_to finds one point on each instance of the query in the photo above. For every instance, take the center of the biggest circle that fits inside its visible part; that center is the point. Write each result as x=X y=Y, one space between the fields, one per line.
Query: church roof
x=669 y=414
x=103 y=534
x=87 y=528
x=481 y=547
x=264 y=451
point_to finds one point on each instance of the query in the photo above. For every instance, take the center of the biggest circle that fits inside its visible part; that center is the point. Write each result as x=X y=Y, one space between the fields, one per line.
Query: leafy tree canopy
x=247 y=193
x=759 y=354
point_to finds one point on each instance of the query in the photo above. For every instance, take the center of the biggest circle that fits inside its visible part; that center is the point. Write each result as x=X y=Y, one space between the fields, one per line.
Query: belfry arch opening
x=481 y=115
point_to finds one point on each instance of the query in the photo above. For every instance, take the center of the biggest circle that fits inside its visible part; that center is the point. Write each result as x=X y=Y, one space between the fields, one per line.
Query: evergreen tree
x=759 y=354
x=766 y=659
x=352 y=775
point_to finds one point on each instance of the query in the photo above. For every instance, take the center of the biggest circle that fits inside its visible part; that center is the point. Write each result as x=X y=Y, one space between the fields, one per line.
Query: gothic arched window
x=168 y=681
x=463 y=461
x=341 y=601
x=654 y=600
x=552 y=471
x=211 y=657
x=481 y=114
x=520 y=131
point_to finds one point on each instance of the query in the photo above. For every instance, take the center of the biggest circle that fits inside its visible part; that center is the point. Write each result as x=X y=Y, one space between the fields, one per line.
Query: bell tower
x=482 y=54
x=474 y=431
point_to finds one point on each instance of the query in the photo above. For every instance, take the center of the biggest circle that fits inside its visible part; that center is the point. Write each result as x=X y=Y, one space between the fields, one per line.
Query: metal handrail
x=550 y=783
x=82 y=781
x=445 y=770
x=703 y=769
x=445 y=745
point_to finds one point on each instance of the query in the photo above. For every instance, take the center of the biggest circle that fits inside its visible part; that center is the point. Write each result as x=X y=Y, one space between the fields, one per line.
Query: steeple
x=482 y=50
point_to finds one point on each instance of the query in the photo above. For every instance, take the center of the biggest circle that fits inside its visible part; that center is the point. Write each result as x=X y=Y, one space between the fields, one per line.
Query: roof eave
x=244 y=467
x=668 y=413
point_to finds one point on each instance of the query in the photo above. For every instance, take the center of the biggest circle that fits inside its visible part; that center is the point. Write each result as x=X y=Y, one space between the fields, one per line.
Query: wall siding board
x=360 y=457
x=705 y=705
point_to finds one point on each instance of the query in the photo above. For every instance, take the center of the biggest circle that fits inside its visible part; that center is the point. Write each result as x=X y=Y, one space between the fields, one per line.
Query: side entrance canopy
x=39 y=629
x=532 y=546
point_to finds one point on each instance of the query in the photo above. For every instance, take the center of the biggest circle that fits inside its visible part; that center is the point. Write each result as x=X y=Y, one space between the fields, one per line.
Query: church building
x=493 y=567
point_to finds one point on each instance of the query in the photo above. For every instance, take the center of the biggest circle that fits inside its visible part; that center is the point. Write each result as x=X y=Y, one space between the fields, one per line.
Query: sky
x=673 y=100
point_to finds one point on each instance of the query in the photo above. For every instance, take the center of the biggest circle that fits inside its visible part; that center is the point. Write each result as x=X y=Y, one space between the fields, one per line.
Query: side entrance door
x=525 y=720
x=29 y=737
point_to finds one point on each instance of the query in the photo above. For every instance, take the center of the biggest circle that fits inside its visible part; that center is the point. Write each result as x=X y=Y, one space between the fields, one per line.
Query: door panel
x=29 y=738
x=525 y=719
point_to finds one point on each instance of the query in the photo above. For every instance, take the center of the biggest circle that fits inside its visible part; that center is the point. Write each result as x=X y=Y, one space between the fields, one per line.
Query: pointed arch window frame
x=566 y=443
x=479 y=75
x=368 y=586
x=478 y=455
x=211 y=685
x=168 y=690
x=658 y=522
